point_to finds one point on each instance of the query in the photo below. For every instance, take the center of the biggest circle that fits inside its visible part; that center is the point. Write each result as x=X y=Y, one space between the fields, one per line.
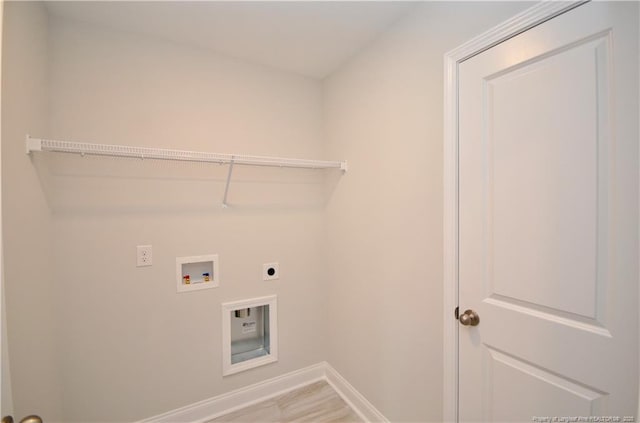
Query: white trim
x=351 y=396
x=523 y=21
x=226 y=403
x=234 y=400
x=4 y=409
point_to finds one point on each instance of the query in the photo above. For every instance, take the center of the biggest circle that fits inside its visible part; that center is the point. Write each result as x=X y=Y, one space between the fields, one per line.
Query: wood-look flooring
x=317 y=403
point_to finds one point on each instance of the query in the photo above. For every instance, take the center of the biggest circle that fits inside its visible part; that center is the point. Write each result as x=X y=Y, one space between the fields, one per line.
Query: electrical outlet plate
x=270 y=271
x=144 y=255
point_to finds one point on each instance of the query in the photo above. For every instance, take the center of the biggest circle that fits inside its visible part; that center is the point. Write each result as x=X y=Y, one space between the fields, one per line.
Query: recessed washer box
x=249 y=334
x=197 y=272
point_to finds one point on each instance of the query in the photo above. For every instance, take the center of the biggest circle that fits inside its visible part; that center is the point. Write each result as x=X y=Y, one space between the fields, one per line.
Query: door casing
x=521 y=22
x=3 y=401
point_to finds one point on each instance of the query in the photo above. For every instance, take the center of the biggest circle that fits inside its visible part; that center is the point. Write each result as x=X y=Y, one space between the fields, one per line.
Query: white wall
x=361 y=273
x=29 y=282
x=6 y=400
x=129 y=346
x=384 y=113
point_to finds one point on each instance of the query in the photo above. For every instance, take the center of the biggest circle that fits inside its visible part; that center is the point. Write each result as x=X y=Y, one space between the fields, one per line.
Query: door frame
x=3 y=401
x=529 y=18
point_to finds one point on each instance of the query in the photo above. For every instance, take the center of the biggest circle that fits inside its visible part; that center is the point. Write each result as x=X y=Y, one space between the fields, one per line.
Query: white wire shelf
x=38 y=144
x=81 y=148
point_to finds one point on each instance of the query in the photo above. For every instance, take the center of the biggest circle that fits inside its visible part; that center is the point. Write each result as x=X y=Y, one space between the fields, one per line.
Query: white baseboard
x=222 y=404
x=351 y=396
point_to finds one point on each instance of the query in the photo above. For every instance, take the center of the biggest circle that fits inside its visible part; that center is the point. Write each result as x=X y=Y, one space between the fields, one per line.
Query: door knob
x=29 y=419
x=469 y=318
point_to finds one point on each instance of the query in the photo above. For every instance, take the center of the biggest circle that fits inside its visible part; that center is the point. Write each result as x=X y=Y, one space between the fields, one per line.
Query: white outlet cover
x=144 y=255
x=270 y=271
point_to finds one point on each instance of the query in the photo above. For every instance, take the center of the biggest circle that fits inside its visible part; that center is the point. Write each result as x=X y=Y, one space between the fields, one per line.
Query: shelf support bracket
x=33 y=144
x=226 y=187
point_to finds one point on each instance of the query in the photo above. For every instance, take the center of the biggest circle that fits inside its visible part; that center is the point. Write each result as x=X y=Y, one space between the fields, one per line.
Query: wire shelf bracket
x=57 y=146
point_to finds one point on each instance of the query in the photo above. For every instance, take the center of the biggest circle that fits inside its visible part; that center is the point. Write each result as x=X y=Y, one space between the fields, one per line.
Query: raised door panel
x=546 y=180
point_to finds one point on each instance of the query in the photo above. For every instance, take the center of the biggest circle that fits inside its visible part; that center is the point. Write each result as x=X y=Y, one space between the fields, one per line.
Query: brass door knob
x=469 y=318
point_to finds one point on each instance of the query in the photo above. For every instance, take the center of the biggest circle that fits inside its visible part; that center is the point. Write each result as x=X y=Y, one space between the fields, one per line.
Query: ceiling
x=311 y=38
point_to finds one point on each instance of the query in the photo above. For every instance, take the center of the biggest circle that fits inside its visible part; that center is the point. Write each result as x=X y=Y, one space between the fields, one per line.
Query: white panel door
x=548 y=221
